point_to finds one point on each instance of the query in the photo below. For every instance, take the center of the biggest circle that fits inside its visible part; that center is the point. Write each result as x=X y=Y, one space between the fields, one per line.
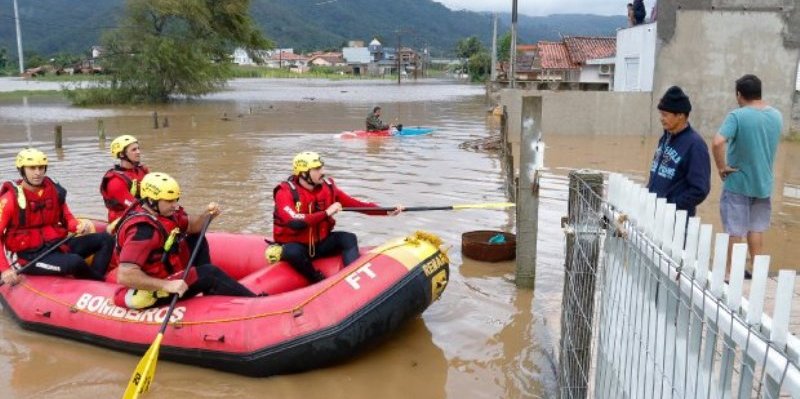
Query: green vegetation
x=477 y=60
x=322 y=72
x=166 y=48
x=19 y=94
x=504 y=47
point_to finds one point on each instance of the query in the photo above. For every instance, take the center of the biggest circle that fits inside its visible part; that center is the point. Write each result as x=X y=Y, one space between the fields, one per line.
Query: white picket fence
x=667 y=325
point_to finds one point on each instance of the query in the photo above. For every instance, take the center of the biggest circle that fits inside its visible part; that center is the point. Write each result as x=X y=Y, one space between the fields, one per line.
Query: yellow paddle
x=146 y=369
x=490 y=205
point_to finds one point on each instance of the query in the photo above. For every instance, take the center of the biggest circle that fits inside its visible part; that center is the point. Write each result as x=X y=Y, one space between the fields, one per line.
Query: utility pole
x=512 y=68
x=398 y=57
x=493 y=73
x=19 y=39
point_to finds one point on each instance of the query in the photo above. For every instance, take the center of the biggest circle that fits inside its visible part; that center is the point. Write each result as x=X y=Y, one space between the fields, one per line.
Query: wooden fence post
x=580 y=273
x=58 y=137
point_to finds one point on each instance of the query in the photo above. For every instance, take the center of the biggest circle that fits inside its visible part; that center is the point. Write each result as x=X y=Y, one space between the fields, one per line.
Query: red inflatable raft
x=297 y=327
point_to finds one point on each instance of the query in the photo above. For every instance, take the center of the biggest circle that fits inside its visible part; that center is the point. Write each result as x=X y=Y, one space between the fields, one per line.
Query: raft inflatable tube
x=407 y=131
x=297 y=327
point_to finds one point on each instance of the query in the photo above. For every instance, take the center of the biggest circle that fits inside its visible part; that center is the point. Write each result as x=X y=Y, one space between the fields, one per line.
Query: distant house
x=286 y=59
x=355 y=43
x=331 y=59
x=554 y=63
x=376 y=51
x=357 y=59
x=525 y=70
x=97 y=51
x=240 y=56
x=595 y=56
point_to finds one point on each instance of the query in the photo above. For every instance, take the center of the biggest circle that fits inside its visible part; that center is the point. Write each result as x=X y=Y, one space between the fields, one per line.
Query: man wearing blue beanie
x=681 y=167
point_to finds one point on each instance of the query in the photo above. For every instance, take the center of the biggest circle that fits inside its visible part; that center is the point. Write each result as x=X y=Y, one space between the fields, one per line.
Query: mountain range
x=73 y=26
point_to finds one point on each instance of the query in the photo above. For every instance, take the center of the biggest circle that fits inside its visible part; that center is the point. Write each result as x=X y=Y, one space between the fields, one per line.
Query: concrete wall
x=583 y=112
x=636 y=43
x=705 y=45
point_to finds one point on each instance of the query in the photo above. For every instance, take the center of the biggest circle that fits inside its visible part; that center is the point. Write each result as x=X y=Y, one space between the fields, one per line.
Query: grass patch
x=240 y=71
x=19 y=94
x=68 y=78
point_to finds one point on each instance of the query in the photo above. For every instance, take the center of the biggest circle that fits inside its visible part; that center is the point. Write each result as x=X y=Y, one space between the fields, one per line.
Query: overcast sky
x=546 y=7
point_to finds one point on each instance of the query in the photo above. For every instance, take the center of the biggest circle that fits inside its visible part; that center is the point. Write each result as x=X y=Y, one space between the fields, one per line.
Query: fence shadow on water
x=647 y=312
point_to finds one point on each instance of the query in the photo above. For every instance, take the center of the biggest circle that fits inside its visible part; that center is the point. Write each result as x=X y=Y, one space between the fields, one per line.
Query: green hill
x=73 y=26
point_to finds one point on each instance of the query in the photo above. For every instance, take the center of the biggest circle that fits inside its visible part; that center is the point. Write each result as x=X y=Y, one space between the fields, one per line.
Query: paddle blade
x=145 y=370
x=491 y=205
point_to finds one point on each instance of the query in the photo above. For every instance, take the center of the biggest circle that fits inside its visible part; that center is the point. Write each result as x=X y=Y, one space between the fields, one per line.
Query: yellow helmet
x=305 y=161
x=159 y=186
x=119 y=144
x=31 y=157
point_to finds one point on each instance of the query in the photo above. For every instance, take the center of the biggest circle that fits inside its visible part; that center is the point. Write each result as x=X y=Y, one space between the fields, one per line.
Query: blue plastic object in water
x=414 y=131
x=498 y=239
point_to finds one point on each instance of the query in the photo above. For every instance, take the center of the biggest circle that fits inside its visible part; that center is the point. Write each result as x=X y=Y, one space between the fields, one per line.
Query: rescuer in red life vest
x=120 y=184
x=303 y=219
x=154 y=243
x=34 y=216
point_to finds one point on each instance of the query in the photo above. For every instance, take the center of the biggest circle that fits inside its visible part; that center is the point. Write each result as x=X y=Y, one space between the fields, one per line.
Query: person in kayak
x=154 y=244
x=34 y=216
x=120 y=184
x=303 y=221
x=374 y=122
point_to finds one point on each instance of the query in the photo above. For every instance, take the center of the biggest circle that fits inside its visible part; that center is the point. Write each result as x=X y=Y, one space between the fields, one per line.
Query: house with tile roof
x=594 y=56
x=577 y=59
x=554 y=63
x=331 y=59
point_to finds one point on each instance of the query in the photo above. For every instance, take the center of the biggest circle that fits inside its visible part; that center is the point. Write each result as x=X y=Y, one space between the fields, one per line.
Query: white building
x=356 y=55
x=598 y=70
x=636 y=58
x=241 y=57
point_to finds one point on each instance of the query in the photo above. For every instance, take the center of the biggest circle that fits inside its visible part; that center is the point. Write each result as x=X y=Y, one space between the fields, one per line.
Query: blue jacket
x=681 y=170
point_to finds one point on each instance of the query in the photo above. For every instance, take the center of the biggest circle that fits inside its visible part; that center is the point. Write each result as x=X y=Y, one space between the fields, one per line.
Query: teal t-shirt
x=753 y=135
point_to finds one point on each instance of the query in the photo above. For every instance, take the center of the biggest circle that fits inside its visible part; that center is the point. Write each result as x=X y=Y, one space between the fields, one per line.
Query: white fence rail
x=667 y=324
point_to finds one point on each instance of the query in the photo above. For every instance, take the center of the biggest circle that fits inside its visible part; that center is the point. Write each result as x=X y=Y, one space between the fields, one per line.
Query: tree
x=504 y=47
x=480 y=64
x=165 y=48
x=468 y=47
x=3 y=59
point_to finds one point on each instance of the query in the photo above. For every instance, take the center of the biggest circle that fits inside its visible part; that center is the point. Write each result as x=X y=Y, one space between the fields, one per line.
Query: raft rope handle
x=229 y=320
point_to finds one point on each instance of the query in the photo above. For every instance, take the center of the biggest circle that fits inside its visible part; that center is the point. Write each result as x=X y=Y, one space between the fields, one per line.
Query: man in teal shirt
x=744 y=152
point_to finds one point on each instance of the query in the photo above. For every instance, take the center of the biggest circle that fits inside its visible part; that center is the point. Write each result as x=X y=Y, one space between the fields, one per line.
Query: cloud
x=545 y=7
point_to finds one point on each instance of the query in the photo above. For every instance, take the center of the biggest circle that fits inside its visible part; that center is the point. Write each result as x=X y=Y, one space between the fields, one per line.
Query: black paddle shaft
x=42 y=255
x=186 y=272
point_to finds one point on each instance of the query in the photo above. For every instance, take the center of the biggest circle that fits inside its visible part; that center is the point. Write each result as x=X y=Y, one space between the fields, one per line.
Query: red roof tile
x=554 y=56
x=582 y=48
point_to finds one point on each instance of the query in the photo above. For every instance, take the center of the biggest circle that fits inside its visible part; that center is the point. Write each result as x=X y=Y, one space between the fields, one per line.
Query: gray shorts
x=742 y=214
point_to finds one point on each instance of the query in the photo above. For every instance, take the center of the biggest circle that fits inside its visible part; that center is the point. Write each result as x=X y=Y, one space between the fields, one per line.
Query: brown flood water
x=483 y=339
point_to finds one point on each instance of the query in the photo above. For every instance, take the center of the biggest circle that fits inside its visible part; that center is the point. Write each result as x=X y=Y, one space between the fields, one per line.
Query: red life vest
x=42 y=221
x=305 y=202
x=161 y=262
x=116 y=205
